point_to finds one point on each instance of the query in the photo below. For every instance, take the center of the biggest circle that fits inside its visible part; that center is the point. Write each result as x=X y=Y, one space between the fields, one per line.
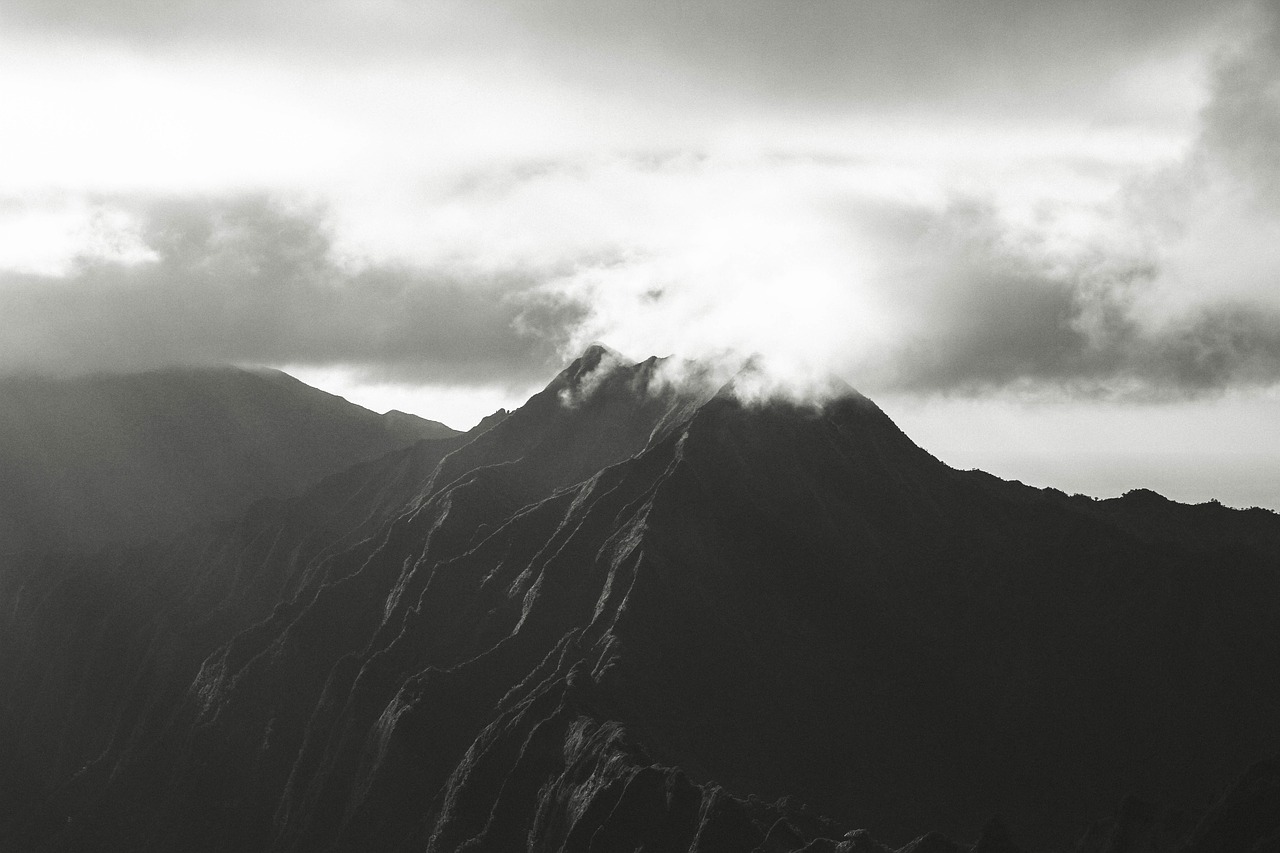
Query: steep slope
x=118 y=458
x=93 y=643
x=953 y=655
x=631 y=616
x=193 y=594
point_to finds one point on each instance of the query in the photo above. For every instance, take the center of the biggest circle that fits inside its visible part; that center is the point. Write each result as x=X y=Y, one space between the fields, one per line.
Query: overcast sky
x=1044 y=235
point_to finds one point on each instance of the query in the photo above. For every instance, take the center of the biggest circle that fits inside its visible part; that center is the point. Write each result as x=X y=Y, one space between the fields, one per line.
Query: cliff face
x=636 y=617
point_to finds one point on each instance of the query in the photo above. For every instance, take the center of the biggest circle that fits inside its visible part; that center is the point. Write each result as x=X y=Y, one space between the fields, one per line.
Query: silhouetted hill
x=117 y=458
x=632 y=615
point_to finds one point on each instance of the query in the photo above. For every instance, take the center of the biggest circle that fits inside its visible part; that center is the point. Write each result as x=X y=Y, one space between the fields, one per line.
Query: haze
x=1045 y=237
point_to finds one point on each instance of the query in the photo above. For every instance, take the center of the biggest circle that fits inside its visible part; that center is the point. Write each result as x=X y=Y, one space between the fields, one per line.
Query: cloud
x=1005 y=56
x=1173 y=292
x=282 y=27
x=1162 y=285
x=993 y=313
x=955 y=298
x=735 y=61
x=1241 y=122
x=251 y=279
x=919 y=195
x=810 y=264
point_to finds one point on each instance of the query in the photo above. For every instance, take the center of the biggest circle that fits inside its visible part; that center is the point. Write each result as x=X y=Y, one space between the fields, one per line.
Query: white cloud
x=51 y=235
x=415 y=203
x=910 y=200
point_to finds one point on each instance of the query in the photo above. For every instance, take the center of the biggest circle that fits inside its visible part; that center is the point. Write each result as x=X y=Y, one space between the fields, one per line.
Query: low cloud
x=992 y=313
x=1162 y=285
x=936 y=251
x=254 y=280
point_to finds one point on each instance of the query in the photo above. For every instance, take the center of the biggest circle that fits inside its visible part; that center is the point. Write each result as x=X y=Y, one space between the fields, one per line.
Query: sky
x=1044 y=236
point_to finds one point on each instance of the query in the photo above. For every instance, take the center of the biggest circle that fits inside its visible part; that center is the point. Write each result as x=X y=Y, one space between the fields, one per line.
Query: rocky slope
x=116 y=458
x=631 y=616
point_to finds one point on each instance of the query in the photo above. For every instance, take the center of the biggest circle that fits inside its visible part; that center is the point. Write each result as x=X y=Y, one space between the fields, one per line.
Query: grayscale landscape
x=567 y=427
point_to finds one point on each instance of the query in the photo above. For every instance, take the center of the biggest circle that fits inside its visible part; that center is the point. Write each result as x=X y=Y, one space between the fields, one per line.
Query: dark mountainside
x=122 y=458
x=631 y=617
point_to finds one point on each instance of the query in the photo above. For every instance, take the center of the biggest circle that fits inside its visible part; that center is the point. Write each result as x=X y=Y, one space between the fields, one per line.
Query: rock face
x=630 y=616
x=123 y=458
x=1246 y=819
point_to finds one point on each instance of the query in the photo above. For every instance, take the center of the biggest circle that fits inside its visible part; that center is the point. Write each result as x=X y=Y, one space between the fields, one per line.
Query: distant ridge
x=112 y=458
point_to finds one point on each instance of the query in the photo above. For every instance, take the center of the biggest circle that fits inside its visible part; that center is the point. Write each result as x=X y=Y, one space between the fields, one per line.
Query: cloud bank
x=1078 y=199
x=253 y=280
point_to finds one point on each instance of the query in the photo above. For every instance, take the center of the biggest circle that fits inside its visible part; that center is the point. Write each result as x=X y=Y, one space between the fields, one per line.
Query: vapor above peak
x=752 y=380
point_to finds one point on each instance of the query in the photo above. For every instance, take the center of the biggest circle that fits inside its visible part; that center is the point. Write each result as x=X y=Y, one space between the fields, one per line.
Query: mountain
x=637 y=615
x=112 y=458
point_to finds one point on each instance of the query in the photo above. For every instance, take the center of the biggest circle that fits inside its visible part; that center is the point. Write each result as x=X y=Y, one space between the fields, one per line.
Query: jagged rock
x=861 y=841
x=633 y=615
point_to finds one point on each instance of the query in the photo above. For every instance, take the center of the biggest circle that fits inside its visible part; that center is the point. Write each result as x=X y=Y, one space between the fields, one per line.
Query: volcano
x=637 y=614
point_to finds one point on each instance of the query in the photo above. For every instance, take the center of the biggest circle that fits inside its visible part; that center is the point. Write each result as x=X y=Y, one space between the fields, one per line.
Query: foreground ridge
x=638 y=614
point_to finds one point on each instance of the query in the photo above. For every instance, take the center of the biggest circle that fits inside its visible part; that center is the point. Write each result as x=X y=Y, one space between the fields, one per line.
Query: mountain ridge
x=584 y=626
x=113 y=458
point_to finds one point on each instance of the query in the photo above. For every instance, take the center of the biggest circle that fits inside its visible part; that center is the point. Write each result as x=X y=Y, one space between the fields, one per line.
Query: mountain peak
x=549 y=628
x=755 y=382
x=592 y=358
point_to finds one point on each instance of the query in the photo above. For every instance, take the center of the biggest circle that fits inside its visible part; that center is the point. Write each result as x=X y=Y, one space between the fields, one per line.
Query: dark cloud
x=993 y=313
x=1003 y=53
x=1242 y=118
x=997 y=310
x=249 y=280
